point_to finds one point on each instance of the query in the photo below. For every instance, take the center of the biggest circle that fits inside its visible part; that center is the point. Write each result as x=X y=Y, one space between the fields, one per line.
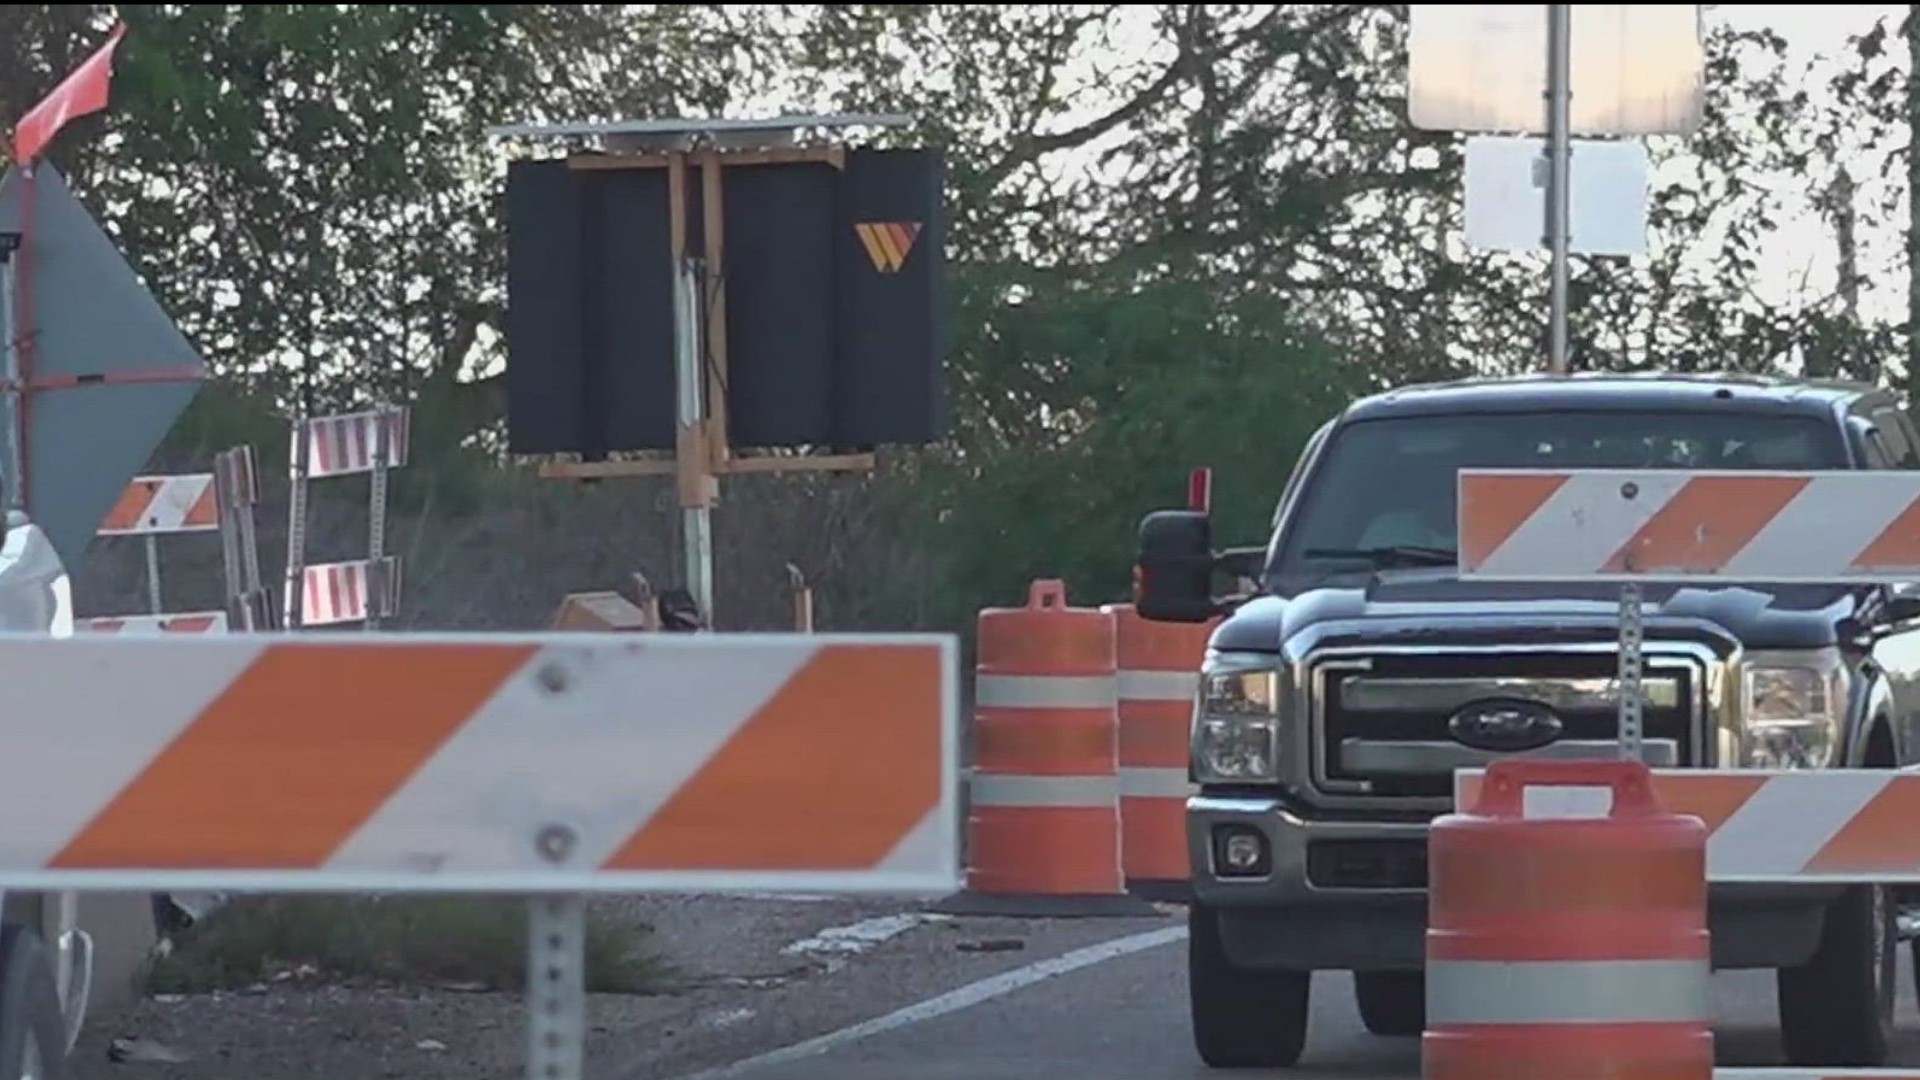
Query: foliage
x=435 y=940
x=1181 y=235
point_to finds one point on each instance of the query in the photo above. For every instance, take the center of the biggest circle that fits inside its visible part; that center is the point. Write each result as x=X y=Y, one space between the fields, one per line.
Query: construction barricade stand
x=220 y=502
x=1772 y=826
x=551 y=765
x=1043 y=820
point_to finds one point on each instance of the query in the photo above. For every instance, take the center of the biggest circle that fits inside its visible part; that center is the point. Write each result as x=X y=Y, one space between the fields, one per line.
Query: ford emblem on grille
x=1507 y=724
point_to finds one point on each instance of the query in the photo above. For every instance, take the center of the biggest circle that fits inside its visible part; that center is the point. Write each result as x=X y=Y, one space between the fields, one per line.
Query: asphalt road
x=1124 y=1017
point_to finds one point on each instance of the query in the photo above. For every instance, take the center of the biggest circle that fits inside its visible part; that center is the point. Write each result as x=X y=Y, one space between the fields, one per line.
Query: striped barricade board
x=185 y=622
x=344 y=592
x=162 y=505
x=346 y=445
x=1841 y=825
x=553 y=763
x=1674 y=524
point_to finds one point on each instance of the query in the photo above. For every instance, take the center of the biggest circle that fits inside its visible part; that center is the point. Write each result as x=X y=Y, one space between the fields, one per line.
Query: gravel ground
x=740 y=989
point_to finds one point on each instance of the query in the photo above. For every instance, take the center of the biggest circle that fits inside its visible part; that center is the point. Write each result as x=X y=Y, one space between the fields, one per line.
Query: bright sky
x=1805 y=247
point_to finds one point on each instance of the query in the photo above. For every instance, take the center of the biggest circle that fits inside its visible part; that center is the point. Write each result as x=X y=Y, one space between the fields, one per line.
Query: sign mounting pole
x=1559 y=166
x=11 y=478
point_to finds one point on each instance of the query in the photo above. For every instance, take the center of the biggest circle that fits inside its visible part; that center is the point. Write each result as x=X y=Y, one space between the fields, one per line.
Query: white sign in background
x=1636 y=69
x=1506 y=203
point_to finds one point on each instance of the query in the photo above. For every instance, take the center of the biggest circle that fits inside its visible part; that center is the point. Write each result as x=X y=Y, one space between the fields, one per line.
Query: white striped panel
x=1825 y=526
x=601 y=759
x=172 y=498
x=1135 y=685
x=1582 y=525
x=349 y=579
x=74 y=739
x=1139 y=782
x=1786 y=823
x=1043 y=691
x=1045 y=791
x=1567 y=992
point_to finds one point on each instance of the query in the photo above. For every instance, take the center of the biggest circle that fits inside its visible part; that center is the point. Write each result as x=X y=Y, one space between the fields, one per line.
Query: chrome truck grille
x=1379 y=720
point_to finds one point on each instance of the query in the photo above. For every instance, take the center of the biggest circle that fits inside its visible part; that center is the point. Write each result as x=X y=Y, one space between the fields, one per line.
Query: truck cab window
x=1391 y=482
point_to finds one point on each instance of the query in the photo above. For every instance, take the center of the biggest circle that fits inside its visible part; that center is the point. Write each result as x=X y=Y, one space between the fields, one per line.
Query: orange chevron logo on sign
x=888 y=243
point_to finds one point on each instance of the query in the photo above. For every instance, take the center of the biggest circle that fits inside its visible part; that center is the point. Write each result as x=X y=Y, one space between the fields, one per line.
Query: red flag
x=82 y=92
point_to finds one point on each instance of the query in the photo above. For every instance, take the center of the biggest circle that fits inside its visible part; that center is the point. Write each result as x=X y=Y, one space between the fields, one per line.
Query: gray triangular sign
x=110 y=372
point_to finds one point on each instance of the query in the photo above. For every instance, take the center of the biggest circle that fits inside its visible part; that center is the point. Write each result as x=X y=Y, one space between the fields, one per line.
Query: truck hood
x=35 y=595
x=1433 y=605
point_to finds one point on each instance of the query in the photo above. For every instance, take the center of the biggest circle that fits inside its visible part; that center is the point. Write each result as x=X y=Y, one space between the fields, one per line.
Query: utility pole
x=1559 y=166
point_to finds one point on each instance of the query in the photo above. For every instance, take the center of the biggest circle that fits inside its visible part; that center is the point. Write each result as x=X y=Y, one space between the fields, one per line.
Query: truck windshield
x=1382 y=493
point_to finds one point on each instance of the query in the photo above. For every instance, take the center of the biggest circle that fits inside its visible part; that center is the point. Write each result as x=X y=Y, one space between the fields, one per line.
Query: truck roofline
x=1615 y=392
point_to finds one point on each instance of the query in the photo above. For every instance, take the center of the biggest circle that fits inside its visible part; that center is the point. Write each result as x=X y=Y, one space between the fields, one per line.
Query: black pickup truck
x=1336 y=697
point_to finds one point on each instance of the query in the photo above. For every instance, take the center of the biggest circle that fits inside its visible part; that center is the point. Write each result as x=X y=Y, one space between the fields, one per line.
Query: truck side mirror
x=1903 y=603
x=1173 y=572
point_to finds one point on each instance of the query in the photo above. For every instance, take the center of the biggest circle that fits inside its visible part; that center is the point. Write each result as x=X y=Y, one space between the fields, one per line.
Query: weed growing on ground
x=477 y=943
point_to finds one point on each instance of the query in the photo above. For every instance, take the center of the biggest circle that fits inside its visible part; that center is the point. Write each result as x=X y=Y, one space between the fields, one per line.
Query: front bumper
x=1350 y=895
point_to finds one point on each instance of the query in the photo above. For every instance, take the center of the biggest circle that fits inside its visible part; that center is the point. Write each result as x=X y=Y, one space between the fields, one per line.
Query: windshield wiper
x=1403 y=555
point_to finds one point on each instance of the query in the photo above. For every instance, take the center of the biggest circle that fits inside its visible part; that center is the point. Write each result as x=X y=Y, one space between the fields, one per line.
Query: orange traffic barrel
x=1043 y=825
x=1562 y=947
x=1157 y=671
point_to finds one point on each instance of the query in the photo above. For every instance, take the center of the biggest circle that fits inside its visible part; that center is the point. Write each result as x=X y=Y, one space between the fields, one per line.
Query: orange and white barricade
x=366 y=591
x=202 y=622
x=220 y=502
x=1043 y=824
x=552 y=765
x=348 y=592
x=1567 y=946
x=1722 y=529
x=1157 y=674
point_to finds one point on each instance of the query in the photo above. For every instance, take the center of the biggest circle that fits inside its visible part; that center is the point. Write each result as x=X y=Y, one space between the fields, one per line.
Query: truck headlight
x=1236 y=721
x=1793 y=705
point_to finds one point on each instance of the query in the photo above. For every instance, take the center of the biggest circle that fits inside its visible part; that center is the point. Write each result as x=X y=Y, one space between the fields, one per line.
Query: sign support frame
x=12 y=469
x=703 y=450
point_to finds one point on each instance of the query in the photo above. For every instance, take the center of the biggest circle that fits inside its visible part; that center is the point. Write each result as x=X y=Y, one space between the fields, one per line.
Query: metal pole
x=1631 y=670
x=696 y=521
x=556 y=987
x=377 y=517
x=1559 y=165
x=297 y=526
x=153 y=573
x=10 y=477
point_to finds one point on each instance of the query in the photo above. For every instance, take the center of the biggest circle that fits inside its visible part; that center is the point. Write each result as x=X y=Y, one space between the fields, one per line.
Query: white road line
x=952 y=1001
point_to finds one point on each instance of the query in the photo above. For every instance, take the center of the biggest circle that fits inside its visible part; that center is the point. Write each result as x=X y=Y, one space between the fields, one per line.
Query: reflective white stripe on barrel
x=1817 y=1075
x=1043 y=691
x=1158 y=685
x=1139 y=782
x=1097 y=792
x=1566 y=991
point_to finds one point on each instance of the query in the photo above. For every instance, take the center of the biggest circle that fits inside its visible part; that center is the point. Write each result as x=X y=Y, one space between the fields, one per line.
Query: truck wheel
x=33 y=1033
x=1837 y=1008
x=1392 y=1003
x=1241 y=1019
